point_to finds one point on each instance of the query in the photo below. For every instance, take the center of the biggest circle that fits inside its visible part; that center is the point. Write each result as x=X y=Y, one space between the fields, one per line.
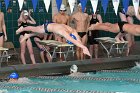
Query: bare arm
x=31 y=21
x=20 y=18
x=99 y=18
x=54 y=19
x=4 y=27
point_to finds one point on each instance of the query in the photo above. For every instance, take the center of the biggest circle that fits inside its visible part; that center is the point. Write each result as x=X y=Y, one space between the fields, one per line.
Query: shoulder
x=86 y=14
x=1 y=13
x=56 y=15
x=67 y=16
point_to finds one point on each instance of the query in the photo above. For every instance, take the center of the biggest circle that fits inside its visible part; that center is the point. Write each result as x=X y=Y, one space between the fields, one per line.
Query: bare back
x=1 y=21
x=81 y=21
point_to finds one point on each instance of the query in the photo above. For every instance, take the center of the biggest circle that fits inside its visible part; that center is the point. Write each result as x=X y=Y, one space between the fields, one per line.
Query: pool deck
x=63 y=67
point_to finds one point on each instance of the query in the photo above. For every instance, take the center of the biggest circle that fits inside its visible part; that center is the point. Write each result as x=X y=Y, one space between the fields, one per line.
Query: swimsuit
x=81 y=34
x=1 y=34
x=120 y=24
x=24 y=25
x=94 y=33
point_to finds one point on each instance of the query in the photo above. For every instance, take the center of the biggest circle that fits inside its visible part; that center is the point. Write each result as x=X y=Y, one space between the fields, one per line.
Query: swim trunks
x=120 y=24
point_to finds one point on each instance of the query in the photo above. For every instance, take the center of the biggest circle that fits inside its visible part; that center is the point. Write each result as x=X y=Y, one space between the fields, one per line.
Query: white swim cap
x=25 y=12
x=73 y=68
x=79 y=5
x=63 y=7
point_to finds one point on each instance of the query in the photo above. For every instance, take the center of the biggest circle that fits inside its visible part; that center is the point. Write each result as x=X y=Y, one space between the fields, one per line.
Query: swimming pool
x=105 y=81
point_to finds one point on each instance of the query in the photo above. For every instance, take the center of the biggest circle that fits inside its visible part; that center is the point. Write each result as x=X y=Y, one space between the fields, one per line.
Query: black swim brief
x=120 y=24
x=1 y=34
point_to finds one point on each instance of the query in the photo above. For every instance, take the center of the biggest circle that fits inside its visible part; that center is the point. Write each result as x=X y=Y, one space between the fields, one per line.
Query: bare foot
x=86 y=51
x=19 y=30
x=26 y=36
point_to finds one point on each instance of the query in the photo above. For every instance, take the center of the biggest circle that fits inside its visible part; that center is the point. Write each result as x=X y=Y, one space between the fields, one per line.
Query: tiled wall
x=40 y=15
x=110 y=16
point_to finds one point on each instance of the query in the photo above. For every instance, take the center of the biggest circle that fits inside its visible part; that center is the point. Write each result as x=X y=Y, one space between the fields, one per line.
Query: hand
x=5 y=38
x=86 y=51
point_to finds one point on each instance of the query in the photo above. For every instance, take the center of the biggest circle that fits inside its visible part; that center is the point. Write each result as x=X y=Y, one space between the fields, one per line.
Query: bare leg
x=105 y=26
x=26 y=36
x=96 y=50
x=84 y=42
x=40 y=47
x=1 y=42
x=91 y=50
x=30 y=48
x=37 y=29
x=22 y=49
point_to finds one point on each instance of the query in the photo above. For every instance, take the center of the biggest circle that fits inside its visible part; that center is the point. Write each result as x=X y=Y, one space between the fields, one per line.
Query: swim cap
x=73 y=68
x=63 y=8
x=73 y=36
x=25 y=12
x=14 y=75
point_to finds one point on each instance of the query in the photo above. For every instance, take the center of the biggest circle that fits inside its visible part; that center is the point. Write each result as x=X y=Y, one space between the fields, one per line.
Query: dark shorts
x=91 y=37
x=120 y=24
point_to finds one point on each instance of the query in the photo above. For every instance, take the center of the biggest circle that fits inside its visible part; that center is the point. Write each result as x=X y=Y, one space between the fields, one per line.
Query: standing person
x=127 y=16
x=94 y=18
x=61 y=18
x=61 y=29
x=38 y=38
x=24 y=20
x=3 y=35
x=81 y=21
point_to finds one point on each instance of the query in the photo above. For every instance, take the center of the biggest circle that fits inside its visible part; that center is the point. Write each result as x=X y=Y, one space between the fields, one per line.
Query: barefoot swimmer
x=60 y=29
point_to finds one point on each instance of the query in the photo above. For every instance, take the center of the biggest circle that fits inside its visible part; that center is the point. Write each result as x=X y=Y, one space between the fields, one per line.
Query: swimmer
x=60 y=29
x=127 y=16
x=24 y=20
x=13 y=77
x=74 y=72
x=117 y=27
x=81 y=22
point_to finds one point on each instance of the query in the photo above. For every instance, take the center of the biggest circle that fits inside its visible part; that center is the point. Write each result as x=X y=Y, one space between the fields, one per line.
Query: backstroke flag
x=6 y=3
x=34 y=2
x=58 y=3
x=94 y=4
x=83 y=4
x=20 y=2
x=136 y=6
x=47 y=4
x=116 y=5
x=72 y=4
x=104 y=5
x=125 y=4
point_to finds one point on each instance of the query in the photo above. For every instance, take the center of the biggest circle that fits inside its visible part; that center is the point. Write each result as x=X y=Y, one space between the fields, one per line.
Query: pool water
x=105 y=81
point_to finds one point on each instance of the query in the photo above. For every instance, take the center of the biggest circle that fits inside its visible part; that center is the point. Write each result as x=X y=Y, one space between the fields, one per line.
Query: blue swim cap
x=73 y=36
x=14 y=75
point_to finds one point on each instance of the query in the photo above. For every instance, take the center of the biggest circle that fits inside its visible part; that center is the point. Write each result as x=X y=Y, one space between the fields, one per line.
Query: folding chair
x=12 y=51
